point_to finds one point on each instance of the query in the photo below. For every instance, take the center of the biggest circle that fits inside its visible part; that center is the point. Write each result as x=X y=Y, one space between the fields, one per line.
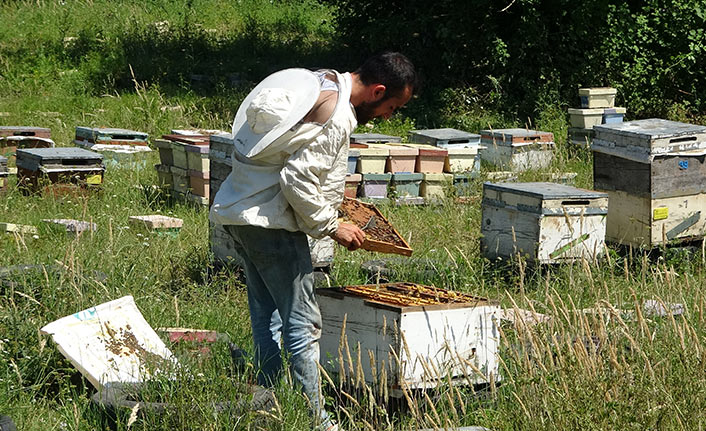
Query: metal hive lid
x=648 y=129
x=545 y=190
x=516 y=132
x=446 y=134
x=44 y=155
x=364 y=138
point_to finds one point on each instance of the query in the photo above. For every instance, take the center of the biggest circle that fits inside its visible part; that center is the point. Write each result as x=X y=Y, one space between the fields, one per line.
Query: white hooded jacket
x=297 y=182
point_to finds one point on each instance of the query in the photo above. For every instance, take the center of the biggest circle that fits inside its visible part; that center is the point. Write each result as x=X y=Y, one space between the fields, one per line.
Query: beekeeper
x=291 y=136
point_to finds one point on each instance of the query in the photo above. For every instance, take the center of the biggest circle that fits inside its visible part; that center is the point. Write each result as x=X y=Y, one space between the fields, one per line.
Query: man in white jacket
x=291 y=136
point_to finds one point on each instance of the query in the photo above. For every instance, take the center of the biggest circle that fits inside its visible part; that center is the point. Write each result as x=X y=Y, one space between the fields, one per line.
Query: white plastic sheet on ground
x=111 y=343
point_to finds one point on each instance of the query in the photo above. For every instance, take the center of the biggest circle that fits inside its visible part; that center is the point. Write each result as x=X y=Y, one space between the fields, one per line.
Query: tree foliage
x=536 y=51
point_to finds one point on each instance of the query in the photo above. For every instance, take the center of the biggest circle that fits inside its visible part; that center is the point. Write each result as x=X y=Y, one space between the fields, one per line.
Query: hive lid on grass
x=380 y=235
x=41 y=132
x=443 y=137
x=112 y=343
x=58 y=156
x=545 y=190
x=72 y=226
x=17 y=228
x=3 y=161
x=365 y=138
x=156 y=221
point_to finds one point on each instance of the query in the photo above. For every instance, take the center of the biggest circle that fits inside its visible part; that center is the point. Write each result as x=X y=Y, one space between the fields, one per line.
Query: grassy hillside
x=63 y=65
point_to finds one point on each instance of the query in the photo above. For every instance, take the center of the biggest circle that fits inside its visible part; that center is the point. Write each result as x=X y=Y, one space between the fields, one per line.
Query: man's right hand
x=349 y=236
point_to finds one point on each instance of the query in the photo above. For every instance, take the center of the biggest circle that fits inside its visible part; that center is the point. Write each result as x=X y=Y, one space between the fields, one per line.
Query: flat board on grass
x=156 y=221
x=379 y=234
x=72 y=226
x=111 y=343
x=17 y=228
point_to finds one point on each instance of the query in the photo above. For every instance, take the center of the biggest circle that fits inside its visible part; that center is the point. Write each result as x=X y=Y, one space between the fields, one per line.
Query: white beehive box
x=654 y=171
x=517 y=149
x=597 y=97
x=411 y=345
x=543 y=222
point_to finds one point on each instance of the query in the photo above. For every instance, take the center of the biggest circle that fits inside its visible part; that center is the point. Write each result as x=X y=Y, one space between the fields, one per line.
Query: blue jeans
x=280 y=282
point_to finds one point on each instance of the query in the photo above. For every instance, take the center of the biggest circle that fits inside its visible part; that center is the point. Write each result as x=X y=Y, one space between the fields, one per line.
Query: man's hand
x=349 y=236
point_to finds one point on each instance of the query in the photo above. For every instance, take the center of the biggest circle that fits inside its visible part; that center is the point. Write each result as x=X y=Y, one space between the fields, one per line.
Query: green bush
x=651 y=51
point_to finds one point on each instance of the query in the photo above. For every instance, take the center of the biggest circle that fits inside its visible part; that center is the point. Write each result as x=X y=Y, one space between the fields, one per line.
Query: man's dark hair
x=391 y=69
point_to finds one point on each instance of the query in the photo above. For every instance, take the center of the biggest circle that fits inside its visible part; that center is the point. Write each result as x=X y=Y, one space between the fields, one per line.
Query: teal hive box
x=407 y=185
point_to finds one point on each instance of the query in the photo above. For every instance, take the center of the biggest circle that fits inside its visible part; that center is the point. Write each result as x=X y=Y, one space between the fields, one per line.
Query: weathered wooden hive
x=517 y=149
x=59 y=170
x=408 y=335
x=543 y=222
x=654 y=171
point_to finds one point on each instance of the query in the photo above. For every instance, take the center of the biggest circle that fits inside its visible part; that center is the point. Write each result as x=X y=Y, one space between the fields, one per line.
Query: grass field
x=64 y=64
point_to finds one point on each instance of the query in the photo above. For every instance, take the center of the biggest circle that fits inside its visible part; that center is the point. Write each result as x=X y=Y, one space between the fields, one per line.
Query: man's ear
x=378 y=92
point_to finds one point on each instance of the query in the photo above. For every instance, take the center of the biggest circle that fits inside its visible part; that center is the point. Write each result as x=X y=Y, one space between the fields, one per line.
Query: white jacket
x=297 y=183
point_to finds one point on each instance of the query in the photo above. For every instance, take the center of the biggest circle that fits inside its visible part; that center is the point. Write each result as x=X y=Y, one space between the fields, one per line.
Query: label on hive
x=660 y=213
x=93 y=179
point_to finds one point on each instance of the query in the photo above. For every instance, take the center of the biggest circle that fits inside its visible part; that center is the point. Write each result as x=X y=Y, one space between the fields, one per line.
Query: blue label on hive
x=683 y=164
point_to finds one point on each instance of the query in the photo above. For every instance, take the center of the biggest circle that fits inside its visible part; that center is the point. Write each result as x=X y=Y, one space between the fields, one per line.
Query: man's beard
x=365 y=111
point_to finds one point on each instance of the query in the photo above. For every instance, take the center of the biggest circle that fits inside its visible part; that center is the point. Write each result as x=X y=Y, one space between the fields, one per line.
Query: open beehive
x=379 y=235
x=408 y=335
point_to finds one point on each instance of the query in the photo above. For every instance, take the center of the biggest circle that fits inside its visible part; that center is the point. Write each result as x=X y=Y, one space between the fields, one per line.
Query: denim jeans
x=280 y=282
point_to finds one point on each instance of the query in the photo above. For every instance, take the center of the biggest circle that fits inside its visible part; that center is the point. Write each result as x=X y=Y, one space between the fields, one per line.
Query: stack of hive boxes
x=59 y=170
x=597 y=107
x=220 y=156
x=655 y=174
x=517 y=149
x=413 y=172
x=122 y=146
x=14 y=137
x=184 y=165
x=463 y=158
